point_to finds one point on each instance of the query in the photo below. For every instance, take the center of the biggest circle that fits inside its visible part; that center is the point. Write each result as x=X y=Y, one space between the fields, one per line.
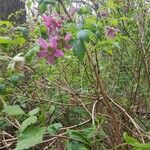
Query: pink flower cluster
x=53 y=48
x=52 y=22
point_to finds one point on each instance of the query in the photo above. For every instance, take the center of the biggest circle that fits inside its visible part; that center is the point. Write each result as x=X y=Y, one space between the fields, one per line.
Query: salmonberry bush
x=76 y=76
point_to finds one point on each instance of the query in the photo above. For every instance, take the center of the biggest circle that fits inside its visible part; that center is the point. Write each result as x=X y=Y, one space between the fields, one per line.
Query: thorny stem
x=106 y=101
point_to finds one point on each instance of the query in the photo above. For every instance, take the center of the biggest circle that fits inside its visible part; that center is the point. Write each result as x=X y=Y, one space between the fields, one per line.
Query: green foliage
x=54 y=128
x=31 y=54
x=79 y=49
x=14 y=79
x=52 y=110
x=42 y=7
x=74 y=145
x=14 y=110
x=2 y=88
x=28 y=122
x=30 y=137
x=49 y=1
x=84 y=35
x=63 y=103
x=135 y=143
x=6 y=40
x=24 y=31
x=34 y=112
x=81 y=139
x=84 y=11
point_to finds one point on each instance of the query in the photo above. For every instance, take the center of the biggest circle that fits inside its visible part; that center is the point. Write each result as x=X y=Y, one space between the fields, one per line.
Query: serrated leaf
x=13 y=110
x=54 y=128
x=30 y=137
x=79 y=49
x=28 y=122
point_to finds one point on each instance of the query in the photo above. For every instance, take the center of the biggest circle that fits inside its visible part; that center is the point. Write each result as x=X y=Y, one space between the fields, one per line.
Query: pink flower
x=49 y=49
x=63 y=42
x=68 y=37
x=110 y=32
x=51 y=22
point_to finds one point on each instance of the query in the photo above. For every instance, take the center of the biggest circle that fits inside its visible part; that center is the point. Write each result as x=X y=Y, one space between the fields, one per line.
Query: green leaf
x=109 y=51
x=29 y=4
x=24 y=31
x=34 y=111
x=2 y=88
x=78 y=136
x=13 y=110
x=30 y=137
x=145 y=146
x=129 y=140
x=135 y=143
x=113 y=22
x=89 y=133
x=49 y=1
x=52 y=110
x=30 y=55
x=14 y=79
x=83 y=35
x=75 y=145
x=28 y=122
x=54 y=128
x=84 y=10
x=42 y=7
x=6 y=40
x=20 y=41
x=71 y=27
x=7 y=23
x=111 y=4
x=79 y=49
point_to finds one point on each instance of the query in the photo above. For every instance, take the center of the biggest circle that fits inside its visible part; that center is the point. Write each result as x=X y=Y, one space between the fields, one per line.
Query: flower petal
x=43 y=44
x=68 y=37
x=53 y=41
x=58 y=53
x=51 y=59
x=42 y=54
